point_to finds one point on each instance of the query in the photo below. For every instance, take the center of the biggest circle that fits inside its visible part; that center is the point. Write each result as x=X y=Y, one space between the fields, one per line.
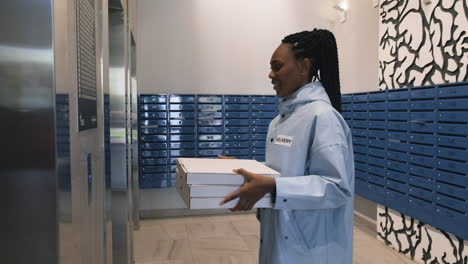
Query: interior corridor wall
x=421 y=44
x=218 y=46
x=212 y=47
x=357 y=40
x=225 y=47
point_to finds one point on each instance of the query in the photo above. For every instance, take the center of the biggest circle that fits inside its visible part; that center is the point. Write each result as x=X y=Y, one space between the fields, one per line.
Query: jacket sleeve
x=330 y=184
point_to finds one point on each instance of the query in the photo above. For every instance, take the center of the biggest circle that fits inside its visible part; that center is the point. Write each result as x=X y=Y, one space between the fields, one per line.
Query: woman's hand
x=254 y=188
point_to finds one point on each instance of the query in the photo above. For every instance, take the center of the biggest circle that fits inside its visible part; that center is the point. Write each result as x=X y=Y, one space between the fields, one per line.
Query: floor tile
x=238 y=259
x=252 y=242
x=232 y=239
x=164 y=250
x=233 y=244
x=247 y=227
x=212 y=229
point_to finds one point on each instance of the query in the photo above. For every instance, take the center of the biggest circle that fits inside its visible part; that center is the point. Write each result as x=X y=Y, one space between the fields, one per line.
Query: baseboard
x=369 y=223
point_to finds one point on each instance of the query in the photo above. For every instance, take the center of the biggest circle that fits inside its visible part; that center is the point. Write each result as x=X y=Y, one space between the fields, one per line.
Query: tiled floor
x=231 y=239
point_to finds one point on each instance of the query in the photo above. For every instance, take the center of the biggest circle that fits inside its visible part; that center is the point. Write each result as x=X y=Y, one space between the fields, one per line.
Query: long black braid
x=319 y=45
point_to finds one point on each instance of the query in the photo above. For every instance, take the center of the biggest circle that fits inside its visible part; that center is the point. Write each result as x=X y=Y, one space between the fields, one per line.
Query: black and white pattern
x=422 y=44
x=420 y=242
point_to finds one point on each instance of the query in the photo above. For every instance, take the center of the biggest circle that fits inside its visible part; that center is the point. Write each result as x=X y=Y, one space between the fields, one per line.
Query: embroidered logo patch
x=283 y=140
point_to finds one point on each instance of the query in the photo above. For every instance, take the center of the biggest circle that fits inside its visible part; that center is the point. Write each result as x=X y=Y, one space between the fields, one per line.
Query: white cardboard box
x=210 y=202
x=213 y=203
x=209 y=191
x=202 y=182
x=219 y=171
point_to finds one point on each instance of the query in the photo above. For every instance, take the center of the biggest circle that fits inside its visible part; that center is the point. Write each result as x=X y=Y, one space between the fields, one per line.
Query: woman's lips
x=276 y=86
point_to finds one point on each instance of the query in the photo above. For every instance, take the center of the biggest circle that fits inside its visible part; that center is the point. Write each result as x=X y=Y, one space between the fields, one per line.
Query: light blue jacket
x=309 y=143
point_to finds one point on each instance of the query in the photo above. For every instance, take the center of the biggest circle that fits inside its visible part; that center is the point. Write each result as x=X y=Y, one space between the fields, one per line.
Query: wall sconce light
x=341 y=13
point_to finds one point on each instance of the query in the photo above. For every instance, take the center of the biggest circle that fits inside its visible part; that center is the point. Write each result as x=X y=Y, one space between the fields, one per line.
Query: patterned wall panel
x=418 y=240
x=422 y=44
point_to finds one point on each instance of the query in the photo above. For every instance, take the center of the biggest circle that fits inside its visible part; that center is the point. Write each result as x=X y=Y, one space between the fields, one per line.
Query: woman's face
x=287 y=74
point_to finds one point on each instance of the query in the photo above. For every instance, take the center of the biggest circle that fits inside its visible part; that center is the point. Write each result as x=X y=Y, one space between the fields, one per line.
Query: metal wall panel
x=54 y=174
x=134 y=133
x=28 y=191
x=120 y=121
x=83 y=233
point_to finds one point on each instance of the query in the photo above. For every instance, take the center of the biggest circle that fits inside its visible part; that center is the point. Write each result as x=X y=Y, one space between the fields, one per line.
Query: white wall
x=224 y=46
x=220 y=46
x=358 y=47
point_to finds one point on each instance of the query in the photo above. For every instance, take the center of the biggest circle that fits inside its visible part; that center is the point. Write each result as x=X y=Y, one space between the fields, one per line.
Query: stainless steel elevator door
x=78 y=57
x=28 y=225
x=120 y=150
x=134 y=133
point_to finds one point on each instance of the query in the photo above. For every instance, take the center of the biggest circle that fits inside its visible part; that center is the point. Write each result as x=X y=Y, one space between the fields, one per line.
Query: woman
x=310 y=144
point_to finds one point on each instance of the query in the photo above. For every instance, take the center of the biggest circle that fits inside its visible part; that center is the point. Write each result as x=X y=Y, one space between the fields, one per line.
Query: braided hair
x=319 y=45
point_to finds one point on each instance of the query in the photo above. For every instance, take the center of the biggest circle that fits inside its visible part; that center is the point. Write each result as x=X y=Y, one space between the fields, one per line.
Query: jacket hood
x=308 y=93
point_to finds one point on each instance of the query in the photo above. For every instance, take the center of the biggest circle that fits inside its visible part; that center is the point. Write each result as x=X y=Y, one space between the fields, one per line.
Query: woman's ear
x=305 y=66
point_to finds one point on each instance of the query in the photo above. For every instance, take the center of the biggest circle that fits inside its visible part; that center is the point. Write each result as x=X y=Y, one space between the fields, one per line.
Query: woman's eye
x=276 y=68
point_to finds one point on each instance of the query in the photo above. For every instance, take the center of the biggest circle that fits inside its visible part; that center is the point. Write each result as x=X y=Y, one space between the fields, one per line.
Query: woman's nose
x=271 y=75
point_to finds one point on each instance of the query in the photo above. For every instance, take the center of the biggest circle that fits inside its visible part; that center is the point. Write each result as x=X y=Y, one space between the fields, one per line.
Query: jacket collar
x=308 y=93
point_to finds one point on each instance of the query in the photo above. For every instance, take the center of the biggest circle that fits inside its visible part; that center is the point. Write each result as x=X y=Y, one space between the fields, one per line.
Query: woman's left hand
x=254 y=188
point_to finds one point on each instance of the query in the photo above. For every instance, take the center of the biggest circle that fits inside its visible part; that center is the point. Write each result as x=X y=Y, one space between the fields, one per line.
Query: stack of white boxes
x=203 y=183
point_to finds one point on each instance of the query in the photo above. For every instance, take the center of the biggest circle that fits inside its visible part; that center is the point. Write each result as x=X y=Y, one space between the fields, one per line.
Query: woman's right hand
x=225 y=157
